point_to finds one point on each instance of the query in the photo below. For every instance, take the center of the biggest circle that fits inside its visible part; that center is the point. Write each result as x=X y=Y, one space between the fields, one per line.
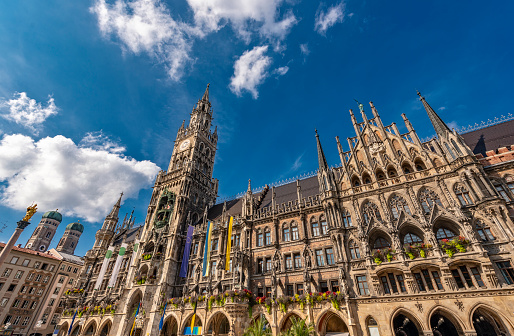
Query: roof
x=283 y=194
x=76 y=227
x=490 y=138
x=67 y=257
x=53 y=215
x=131 y=235
x=29 y=251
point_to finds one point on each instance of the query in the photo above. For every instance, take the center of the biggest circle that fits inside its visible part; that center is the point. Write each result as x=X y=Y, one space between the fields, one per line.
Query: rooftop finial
x=206 y=94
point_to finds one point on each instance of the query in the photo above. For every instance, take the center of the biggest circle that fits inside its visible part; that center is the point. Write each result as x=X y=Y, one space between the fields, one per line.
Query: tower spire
x=116 y=208
x=440 y=127
x=206 y=94
x=321 y=156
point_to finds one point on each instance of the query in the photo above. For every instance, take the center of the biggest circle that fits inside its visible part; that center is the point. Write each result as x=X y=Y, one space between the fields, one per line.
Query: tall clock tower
x=180 y=196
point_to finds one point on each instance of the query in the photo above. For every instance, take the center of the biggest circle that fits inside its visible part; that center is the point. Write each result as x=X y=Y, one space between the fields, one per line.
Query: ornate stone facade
x=414 y=237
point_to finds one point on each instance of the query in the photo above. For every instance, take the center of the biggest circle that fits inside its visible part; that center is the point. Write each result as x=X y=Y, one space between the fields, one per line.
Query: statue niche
x=164 y=209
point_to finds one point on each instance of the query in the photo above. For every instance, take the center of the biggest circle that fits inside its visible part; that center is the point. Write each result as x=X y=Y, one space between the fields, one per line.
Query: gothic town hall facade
x=403 y=237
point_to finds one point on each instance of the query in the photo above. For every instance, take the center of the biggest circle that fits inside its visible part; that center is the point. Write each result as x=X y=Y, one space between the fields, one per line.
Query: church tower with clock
x=180 y=197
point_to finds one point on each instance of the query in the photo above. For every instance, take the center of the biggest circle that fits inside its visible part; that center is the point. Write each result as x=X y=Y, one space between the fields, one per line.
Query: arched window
x=427 y=199
x=324 y=225
x=380 y=175
x=484 y=231
x=355 y=181
x=381 y=243
x=286 y=235
x=294 y=231
x=391 y=172
x=411 y=238
x=315 y=227
x=419 y=164
x=397 y=205
x=369 y=211
x=373 y=327
x=201 y=146
x=347 y=218
x=456 y=147
x=354 y=250
x=449 y=150
x=366 y=178
x=444 y=233
x=407 y=169
x=463 y=195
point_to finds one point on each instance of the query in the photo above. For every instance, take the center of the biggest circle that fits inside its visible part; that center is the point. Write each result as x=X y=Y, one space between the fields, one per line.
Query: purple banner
x=187 y=250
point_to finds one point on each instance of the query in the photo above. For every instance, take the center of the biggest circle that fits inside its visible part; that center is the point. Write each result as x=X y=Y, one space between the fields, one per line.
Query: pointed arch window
x=445 y=233
x=411 y=238
x=427 y=199
x=347 y=218
x=420 y=165
x=381 y=243
x=484 y=231
x=354 y=250
x=462 y=195
x=449 y=150
x=315 y=227
x=456 y=147
x=397 y=205
x=369 y=211
x=324 y=225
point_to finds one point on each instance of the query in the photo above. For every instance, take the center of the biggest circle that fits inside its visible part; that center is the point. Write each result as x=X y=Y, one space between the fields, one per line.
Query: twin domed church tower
x=45 y=232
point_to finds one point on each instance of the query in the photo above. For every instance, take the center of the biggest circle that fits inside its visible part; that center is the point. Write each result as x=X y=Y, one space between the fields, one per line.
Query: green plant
x=299 y=328
x=259 y=327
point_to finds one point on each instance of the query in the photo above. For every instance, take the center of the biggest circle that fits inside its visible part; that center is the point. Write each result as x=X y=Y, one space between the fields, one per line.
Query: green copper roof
x=75 y=226
x=53 y=215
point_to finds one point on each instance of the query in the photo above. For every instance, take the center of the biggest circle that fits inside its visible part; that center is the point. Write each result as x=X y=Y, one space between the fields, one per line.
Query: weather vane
x=361 y=107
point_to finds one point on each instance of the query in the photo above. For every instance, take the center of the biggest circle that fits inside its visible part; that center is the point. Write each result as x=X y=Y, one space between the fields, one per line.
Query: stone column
x=8 y=247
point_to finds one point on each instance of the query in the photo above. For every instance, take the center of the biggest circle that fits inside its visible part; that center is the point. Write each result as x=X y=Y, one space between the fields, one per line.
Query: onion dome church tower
x=70 y=238
x=44 y=232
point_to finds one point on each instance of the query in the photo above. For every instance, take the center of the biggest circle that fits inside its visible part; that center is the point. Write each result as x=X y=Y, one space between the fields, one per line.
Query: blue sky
x=93 y=92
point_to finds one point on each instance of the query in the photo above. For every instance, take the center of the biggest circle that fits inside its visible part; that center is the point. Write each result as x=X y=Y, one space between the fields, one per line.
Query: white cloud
x=281 y=71
x=442 y=108
x=250 y=70
x=325 y=20
x=81 y=181
x=100 y=141
x=146 y=26
x=245 y=16
x=27 y=112
x=304 y=48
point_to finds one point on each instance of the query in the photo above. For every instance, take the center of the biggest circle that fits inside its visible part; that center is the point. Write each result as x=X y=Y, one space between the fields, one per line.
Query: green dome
x=53 y=215
x=75 y=226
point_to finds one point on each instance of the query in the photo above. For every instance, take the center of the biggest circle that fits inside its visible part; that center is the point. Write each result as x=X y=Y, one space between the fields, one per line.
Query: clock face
x=184 y=144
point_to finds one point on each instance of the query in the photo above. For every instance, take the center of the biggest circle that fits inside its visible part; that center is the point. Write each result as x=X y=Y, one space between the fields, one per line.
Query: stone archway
x=90 y=329
x=332 y=324
x=104 y=331
x=170 y=327
x=488 y=323
x=443 y=324
x=218 y=325
x=404 y=325
x=197 y=328
x=76 y=331
x=288 y=321
x=130 y=313
x=63 y=330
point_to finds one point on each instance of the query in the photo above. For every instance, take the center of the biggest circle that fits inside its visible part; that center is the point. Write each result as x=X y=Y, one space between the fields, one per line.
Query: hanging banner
x=117 y=265
x=187 y=251
x=207 y=250
x=105 y=263
x=229 y=243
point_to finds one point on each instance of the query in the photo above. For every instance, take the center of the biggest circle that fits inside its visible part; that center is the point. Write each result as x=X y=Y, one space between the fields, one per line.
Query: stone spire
x=206 y=94
x=321 y=156
x=116 y=208
x=440 y=127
